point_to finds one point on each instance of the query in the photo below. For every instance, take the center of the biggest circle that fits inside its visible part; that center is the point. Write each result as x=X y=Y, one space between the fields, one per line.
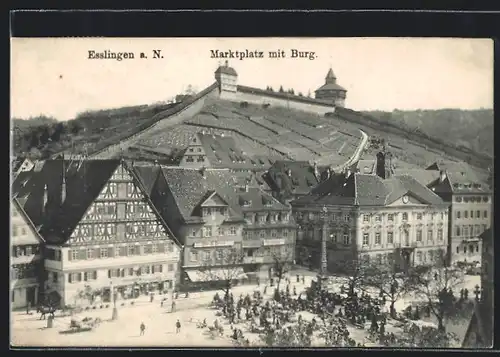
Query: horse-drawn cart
x=84 y=325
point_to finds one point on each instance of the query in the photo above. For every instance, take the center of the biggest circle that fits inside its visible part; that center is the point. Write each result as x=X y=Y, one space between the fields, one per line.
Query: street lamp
x=114 y=315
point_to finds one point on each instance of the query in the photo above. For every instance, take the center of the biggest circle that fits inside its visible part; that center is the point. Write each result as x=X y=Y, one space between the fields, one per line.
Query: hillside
x=42 y=137
x=470 y=128
x=276 y=132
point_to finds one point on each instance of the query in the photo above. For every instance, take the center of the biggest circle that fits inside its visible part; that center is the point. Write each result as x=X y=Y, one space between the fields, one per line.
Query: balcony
x=25 y=259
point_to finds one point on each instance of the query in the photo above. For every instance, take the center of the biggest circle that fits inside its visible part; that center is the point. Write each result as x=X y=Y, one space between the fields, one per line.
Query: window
x=285 y=232
x=471 y=214
x=458 y=231
x=477 y=248
x=14 y=231
x=346 y=217
x=262 y=234
x=485 y=198
x=194 y=256
x=220 y=231
x=390 y=217
x=466 y=231
x=440 y=235
x=273 y=233
x=170 y=247
x=90 y=253
x=378 y=240
x=458 y=250
x=465 y=249
x=23 y=230
x=378 y=258
x=366 y=239
x=429 y=235
x=55 y=277
x=207 y=231
x=419 y=216
x=485 y=227
x=346 y=239
x=232 y=231
x=131 y=250
x=405 y=216
x=193 y=233
x=419 y=235
x=458 y=214
x=104 y=252
x=148 y=249
x=466 y=214
x=377 y=218
x=206 y=255
x=485 y=214
x=390 y=237
x=419 y=257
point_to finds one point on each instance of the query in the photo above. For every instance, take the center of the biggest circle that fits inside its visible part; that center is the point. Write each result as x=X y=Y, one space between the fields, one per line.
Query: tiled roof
x=84 y=181
x=425 y=177
x=331 y=86
x=222 y=152
x=300 y=181
x=367 y=190
x=254 y=199
x=27 y=219
x=226 y=70
x=147 y=175
x=462 y=182
x=366 y=166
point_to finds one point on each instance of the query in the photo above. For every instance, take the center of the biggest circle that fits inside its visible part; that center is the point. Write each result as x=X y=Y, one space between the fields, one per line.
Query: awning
x=216 y=274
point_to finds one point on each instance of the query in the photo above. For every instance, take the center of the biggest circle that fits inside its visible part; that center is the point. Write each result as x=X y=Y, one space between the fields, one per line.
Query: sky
x=55 y=77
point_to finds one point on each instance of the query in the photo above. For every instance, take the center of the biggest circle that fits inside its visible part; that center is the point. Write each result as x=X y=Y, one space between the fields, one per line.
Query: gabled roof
x=27 y=219
x=84 y=181
x=147 y=174
x=191 y=187
x=367 y=190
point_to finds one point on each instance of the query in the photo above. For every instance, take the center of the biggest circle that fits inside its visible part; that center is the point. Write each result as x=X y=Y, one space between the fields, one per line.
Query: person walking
x=177 y=326
x=143 y=328
x=173 y=306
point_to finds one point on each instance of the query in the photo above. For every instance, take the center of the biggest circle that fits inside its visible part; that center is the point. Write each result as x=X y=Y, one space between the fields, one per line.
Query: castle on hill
x=327 y=97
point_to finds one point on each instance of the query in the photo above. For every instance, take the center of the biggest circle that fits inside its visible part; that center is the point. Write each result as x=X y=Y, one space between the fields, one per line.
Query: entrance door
x=31 y=296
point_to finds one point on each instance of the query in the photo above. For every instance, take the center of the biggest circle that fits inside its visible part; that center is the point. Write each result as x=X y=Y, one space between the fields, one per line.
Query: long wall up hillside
x=463 y=154
x=160 y=121
x=261 y=97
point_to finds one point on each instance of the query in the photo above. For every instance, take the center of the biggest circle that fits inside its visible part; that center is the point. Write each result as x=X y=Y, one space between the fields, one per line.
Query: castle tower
x=331 y=91
x=227 y=78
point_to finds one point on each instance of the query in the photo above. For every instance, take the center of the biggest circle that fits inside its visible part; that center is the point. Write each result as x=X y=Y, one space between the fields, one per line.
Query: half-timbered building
x=103 y=234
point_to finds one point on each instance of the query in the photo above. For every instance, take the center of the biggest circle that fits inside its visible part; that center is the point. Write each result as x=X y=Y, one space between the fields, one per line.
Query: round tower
x=331 y=91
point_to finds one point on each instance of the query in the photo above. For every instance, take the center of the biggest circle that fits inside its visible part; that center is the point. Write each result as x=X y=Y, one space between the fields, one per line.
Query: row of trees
x=43 y=138
x=289 y=91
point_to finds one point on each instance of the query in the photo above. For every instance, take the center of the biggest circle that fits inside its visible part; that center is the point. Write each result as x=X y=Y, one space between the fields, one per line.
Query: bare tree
x=436 y=285
x=282 y=264
x=357 y=272
x=391 y=284
x=225 y=268
x=336 y=334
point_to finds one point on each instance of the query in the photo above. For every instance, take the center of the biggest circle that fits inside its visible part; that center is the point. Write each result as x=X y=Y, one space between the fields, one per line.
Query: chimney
x=45 y=198
x=63 y=184
x=442 y=176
